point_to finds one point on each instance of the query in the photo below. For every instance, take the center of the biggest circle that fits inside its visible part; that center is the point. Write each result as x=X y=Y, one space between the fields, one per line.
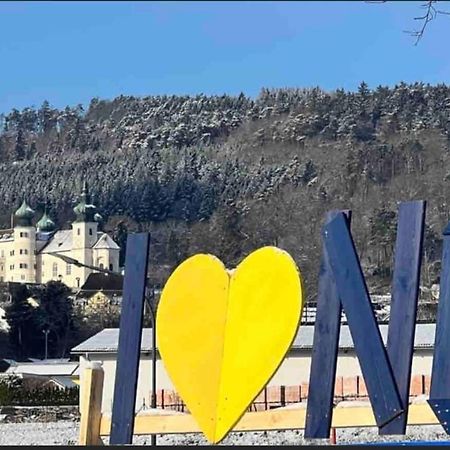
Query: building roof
x=106 y=341
x=63 y=382
x=7 y=235
x=61 y=241
x=105 y=242
x=45 y=368
x=98 y=281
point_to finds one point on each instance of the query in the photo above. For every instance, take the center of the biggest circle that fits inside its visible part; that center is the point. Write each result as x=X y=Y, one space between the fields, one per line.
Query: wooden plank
x=276 y=419
x=440 y=374
x=91 y=405
x=405 y=294
x=324 y=351
x=352 y=290
x=130 y=334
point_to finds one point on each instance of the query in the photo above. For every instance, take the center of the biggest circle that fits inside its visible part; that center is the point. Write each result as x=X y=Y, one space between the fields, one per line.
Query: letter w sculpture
x=386 y=371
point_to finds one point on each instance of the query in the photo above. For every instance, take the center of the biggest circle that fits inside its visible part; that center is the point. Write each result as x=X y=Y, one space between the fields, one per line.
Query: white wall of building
x=293 y=371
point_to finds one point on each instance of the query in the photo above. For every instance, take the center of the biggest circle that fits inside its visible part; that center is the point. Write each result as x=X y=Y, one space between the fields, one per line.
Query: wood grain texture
x=369 y=347
x=130 y=334
x=344 y=416
x=325 y=350
x=405 y=294
x=440 y=375
x=90 y=405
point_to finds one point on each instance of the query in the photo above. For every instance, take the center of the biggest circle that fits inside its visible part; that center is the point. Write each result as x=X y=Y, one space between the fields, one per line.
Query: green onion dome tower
x=22 y=254
x=24 y=215
x=45 y=224
x=85 y=210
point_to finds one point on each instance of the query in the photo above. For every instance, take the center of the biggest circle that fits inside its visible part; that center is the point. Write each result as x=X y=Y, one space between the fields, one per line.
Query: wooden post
x=130 y=335
x=440 y=374
x=353 y=293
x=327 y=328
x=405 y=294
x=91 y=404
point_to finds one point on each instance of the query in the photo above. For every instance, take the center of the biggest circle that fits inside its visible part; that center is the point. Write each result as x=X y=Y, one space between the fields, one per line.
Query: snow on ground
x=66 y=433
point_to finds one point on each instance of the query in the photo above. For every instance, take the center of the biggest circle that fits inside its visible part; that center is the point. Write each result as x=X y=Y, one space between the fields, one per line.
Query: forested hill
x=226 y=175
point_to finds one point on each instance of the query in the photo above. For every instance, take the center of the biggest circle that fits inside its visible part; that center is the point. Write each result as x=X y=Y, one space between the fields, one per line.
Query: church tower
x=84 y=235
x=22 y=254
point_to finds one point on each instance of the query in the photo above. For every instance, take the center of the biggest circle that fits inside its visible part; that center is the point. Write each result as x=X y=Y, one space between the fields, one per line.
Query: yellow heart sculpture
x=222 y=335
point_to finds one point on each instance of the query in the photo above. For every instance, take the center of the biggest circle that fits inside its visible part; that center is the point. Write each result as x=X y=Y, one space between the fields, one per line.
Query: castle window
x=3 y=253
x=78 y=231
x=1 y=268
x=90 y=231
x=23 y=266
x=55 y=270
x=11 y=253
x=11 y=267
x=24 y=251
x=22 y=277
x=68 y=269
x=23 y=234
x=111 y=267
x=101 y=266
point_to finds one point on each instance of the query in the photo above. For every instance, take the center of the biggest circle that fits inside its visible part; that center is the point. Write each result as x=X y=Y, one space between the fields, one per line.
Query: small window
x=3 y=253
x=1 y=268
x=23 y=266
x=1 y=278
x=34 y=266
x=23 y=251
x=68 y=269
x=78 y=282
x=11 y=267
x=11 y=253
x=55 y=270
x=111 y=267
x=78 y=231
x=22 y=277
x=90 y=231
x=101 y=266
x=23 y=234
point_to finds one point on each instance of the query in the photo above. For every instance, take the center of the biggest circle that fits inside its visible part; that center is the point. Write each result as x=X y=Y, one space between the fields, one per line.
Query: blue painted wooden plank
x=441 y=409
x=130 y=334
x=403 y=312
x=440 y=375
x=352 y=290
x=327 y=328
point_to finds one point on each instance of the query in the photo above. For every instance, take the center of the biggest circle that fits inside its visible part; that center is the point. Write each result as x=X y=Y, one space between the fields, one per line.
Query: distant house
x=101 y=288
x=60 y=373
x=294 y=371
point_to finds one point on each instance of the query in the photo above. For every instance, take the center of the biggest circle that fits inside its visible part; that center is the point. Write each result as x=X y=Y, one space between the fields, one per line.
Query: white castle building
x=28 y=253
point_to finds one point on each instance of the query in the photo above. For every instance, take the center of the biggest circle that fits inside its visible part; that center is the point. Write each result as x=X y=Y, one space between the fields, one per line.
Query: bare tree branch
x=430 y=13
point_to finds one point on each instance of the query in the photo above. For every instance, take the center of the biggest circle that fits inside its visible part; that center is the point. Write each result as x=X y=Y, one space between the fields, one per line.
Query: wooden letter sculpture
x=223 y=334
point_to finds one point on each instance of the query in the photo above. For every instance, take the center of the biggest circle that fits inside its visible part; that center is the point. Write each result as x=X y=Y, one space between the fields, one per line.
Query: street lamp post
x=46 y=332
